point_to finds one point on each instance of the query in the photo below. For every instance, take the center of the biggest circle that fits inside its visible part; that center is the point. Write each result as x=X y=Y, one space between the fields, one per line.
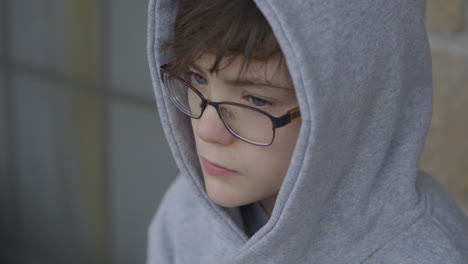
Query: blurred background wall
x=83 y=161
x=446 y=152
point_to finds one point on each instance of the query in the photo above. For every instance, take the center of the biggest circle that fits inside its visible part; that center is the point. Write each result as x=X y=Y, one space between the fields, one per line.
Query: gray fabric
x=353 y=192
x=254 y=217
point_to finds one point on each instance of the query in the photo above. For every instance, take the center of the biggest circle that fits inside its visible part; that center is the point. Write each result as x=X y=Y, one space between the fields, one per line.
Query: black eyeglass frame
x=290 y=116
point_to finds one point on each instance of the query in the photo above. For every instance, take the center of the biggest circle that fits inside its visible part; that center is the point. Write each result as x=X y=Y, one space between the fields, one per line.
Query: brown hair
x=224 y=28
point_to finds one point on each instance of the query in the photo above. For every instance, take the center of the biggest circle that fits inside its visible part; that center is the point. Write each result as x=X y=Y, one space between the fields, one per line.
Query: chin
x=226 y=200
x=223 y=200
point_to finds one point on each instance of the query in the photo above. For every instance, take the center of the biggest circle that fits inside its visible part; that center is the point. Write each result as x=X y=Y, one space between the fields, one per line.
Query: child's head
x=226 y=51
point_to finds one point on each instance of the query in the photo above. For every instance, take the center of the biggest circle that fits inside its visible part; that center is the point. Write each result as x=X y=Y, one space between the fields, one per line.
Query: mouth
x=215 y=169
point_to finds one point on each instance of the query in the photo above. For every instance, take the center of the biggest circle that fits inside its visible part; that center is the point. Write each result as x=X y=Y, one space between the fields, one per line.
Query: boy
x=297 y=128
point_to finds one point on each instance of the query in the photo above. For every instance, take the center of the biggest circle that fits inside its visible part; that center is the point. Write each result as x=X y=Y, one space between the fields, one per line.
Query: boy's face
x=235 y=172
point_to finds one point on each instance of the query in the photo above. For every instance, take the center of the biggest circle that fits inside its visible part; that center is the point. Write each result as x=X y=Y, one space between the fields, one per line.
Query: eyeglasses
x=245 y=122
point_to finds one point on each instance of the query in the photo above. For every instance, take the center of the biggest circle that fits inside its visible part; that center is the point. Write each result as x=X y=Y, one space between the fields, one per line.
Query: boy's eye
x=198 y=79
x=258 y=101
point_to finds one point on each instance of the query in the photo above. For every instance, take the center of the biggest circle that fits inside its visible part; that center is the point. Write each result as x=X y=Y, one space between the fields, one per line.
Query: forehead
x=272 y=70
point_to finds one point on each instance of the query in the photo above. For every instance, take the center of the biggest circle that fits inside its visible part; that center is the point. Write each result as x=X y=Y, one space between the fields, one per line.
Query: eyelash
x=251 y=99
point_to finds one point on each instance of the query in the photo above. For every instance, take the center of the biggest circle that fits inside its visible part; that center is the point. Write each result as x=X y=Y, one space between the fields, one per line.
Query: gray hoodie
x=353 y=192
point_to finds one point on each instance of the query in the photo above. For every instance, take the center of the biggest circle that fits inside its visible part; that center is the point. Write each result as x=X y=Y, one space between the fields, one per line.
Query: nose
x=210 y=128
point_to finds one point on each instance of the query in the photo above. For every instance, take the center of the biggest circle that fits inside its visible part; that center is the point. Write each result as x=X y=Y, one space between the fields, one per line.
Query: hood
x=362 y=74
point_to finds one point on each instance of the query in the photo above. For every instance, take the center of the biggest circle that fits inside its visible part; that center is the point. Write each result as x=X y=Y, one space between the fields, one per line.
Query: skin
x=260 y=169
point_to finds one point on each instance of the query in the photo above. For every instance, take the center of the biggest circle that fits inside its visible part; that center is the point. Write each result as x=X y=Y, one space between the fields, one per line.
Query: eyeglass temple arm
x=290 y=116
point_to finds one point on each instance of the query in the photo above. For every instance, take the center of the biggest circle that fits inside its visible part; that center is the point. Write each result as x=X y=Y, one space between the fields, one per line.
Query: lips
x=216 y=170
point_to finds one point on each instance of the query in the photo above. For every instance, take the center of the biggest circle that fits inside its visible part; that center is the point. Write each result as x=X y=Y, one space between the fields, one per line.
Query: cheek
x=194 y=124
x=286 y=138
x=271 y=163
x=284 y=144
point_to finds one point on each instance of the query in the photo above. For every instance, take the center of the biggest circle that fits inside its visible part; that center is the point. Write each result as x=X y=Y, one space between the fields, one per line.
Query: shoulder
x=179 y=198
x=438 y=236
x=167 y=227
x=423 y=243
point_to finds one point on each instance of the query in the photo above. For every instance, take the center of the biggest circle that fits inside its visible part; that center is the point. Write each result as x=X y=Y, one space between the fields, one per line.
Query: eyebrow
x=254 y=82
